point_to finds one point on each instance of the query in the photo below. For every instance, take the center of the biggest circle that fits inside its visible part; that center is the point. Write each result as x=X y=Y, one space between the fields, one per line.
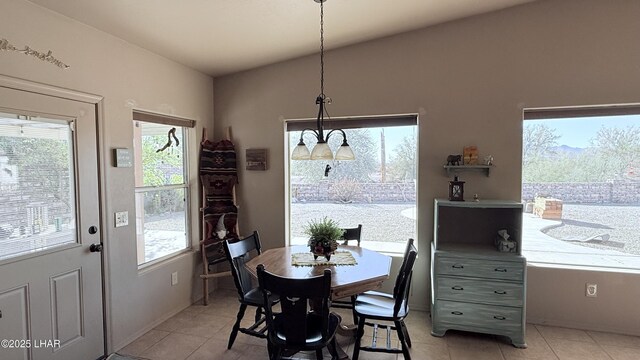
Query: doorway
x=51 y=299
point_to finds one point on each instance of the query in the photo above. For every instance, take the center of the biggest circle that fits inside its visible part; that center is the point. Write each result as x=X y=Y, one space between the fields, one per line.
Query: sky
x=576 y=132
x=393 y=136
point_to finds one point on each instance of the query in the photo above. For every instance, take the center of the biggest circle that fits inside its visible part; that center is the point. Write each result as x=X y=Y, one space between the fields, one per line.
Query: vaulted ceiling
x=218 y=37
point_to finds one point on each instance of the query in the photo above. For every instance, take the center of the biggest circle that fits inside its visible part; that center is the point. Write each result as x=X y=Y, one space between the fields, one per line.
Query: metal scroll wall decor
x=48 y=57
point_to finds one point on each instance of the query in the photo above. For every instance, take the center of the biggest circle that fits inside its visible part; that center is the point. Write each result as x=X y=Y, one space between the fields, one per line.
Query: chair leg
x=258 y=313
x=205 y=291
x=270 y=350
x=359 y=334
x=333 y=349
x=406 y=332
x=236 y=326
x=353 y=310
x=403 y=341
x=278 y=353
x=318 y=354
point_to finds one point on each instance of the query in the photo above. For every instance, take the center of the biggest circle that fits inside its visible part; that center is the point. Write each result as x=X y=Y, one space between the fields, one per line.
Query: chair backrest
x=407 y=249
x=292 y=322
x=352 y=234
x=237 y=254
x=403 y=280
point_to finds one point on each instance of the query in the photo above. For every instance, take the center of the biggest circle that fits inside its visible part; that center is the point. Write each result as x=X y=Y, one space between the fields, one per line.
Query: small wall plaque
x=256 y=159
x=122 y=158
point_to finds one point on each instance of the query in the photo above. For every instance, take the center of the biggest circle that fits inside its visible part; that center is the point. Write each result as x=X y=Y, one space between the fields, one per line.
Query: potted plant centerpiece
x=323 y=237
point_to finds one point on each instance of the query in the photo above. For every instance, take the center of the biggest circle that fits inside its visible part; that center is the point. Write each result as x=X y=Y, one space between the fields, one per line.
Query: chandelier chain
x=322 y=49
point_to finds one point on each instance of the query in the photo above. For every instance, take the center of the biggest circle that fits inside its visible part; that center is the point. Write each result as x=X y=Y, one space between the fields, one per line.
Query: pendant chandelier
x=322 y=151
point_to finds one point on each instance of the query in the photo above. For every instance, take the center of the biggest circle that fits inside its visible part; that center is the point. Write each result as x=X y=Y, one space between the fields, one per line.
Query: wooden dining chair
x=237 y=254
x=352 y=234
x=296 y=328
x=372 y=308
x=348 y=303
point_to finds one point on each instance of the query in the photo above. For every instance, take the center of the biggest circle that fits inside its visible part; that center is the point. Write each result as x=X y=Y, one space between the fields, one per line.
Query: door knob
x=93 y=229
x=95 y=248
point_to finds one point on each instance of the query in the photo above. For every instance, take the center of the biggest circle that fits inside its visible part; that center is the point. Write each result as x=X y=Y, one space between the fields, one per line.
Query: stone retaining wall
x=616 y=192
x=356 y=192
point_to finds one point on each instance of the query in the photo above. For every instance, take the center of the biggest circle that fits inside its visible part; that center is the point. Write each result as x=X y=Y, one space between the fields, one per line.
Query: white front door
x=50 y=281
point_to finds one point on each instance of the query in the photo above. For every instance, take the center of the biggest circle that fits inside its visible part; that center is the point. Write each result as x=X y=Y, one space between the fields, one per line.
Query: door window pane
x=37 y=190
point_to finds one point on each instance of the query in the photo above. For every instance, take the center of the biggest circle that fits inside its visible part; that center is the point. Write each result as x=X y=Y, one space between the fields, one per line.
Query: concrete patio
x=541 y=248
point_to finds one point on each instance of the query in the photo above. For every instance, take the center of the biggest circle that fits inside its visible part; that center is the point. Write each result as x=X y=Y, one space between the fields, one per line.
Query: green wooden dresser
x=474 y=287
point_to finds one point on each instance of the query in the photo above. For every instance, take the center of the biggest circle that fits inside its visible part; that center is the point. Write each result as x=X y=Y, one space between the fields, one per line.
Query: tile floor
x=202 y=332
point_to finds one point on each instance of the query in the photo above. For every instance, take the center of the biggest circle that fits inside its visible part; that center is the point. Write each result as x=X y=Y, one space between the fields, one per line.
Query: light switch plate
x=122 y=218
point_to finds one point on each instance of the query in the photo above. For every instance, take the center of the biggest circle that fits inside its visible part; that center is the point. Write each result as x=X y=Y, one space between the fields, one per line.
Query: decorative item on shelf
x=504 y=244
x=456 y=190
x=476 y=198
x=323 y=237
x=321 y=150
x=488 y=160
x=454 y=160
x=470 y=155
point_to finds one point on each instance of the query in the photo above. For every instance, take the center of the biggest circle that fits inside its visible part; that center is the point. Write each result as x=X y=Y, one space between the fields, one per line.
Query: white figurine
x=221 y=230
x=503 y=243
x=488 y=160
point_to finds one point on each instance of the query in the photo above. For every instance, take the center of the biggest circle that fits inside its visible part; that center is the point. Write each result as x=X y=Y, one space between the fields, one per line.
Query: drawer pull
x=456 y=313
x=457 y=288
x=498 y=317
x=500 y=292
x=500 y=269
x=458 y=266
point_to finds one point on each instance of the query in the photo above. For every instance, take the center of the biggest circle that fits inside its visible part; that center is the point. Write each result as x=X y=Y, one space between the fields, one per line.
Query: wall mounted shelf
x=455 y=169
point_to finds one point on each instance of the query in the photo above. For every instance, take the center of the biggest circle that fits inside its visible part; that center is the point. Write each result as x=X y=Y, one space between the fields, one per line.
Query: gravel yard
x=383 y=222
x=615 y=227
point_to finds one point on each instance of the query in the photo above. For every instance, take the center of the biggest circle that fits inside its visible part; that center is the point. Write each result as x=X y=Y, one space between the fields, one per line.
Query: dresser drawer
x=480 y=268
x=474 y=290
x=495 y=319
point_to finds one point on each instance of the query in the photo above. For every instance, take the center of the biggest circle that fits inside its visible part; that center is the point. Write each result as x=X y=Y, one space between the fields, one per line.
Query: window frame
x=186 y=126
x=357 y=122
x=564 y=113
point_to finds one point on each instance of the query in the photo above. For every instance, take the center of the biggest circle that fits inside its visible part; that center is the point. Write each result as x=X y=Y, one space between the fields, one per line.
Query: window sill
x=160 y=262
x=582 y=268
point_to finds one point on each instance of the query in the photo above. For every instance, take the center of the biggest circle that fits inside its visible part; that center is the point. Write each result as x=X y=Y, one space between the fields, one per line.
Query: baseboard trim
x=583 y=326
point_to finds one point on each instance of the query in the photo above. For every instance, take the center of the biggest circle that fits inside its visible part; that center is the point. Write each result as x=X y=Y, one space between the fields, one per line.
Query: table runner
x=337 y=258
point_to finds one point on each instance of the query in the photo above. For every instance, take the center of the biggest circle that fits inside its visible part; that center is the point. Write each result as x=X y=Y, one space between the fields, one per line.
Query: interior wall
x=468 y=80
x=127 y=77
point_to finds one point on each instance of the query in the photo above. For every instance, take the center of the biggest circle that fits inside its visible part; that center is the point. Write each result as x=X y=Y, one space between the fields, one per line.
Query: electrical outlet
x=591 y=290
x=174 y=278
x=122 y=218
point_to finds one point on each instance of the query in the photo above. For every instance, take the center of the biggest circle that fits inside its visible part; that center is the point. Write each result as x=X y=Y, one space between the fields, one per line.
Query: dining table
x=369 y=271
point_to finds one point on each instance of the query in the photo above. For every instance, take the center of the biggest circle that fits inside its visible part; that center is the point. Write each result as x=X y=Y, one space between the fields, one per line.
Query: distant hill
x=567 y=149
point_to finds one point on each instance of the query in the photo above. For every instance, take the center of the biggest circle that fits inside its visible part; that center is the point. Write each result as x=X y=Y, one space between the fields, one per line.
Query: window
x=581 y=185
x=162 y=197
x=377 y=189
x=37 y=187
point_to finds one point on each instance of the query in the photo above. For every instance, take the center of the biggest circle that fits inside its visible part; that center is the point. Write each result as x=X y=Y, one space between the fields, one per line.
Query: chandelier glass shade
x=322 y=151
